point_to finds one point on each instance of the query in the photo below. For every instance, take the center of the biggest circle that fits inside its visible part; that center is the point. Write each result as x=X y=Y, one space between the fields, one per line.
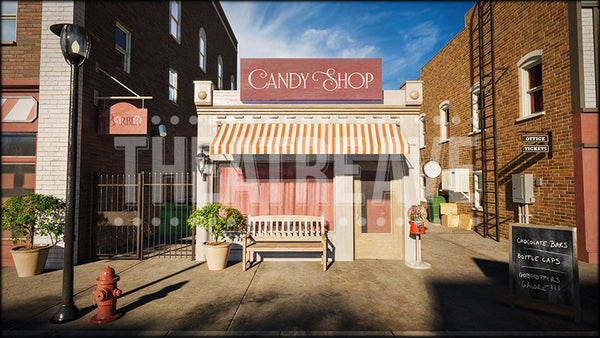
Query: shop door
x=377 y=219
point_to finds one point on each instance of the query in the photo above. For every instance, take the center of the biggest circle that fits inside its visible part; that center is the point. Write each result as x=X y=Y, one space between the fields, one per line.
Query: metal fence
x=144 y=215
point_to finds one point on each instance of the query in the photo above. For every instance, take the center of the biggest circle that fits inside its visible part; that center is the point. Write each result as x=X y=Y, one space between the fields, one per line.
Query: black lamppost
x=75 y=45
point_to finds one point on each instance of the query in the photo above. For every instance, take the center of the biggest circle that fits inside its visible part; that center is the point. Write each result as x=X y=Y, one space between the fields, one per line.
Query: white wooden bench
x=285 y=233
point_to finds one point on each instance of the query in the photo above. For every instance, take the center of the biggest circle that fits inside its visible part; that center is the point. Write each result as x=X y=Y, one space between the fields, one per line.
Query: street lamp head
x=74 y=42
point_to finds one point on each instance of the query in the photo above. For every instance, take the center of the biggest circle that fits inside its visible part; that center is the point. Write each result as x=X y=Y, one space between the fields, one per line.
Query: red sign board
x=310 y=79
x=123 y=119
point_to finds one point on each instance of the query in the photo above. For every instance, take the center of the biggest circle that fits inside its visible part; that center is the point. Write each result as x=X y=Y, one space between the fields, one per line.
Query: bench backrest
x=286 y=227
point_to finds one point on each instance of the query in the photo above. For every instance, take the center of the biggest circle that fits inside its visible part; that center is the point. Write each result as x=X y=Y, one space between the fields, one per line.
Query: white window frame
x=10 y=17
x=475 y=111
x=220 y=72
x=232 y=82
x=202 y=49
x=444 y=121
x=423 y=187
x=422 y=131
x=172 y=85
x=126 y=66
x=477 y=191
x=175 y=20
x=527 y=62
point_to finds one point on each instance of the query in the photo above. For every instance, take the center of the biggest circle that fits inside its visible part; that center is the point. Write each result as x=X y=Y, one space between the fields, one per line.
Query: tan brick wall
x=520 y=27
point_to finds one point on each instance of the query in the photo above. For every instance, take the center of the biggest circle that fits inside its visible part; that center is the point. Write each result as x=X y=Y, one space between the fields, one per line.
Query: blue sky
x=404 y=34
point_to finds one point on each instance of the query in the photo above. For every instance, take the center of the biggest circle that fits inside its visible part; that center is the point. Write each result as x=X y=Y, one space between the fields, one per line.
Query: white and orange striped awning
x=19 y=109
x=295 y=138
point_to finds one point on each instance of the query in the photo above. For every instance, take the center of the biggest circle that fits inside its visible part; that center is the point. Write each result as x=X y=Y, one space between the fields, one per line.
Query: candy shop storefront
x=314 y=137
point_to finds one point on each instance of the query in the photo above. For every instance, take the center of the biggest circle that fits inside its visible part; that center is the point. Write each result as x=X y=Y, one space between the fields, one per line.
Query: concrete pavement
x=465 y=292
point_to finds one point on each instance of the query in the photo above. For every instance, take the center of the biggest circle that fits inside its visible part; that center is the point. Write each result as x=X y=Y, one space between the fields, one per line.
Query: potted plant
x=217 y=219
x=28 y=215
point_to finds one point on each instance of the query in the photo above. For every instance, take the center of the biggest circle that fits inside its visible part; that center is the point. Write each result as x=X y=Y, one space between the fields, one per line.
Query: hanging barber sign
x=310 y=80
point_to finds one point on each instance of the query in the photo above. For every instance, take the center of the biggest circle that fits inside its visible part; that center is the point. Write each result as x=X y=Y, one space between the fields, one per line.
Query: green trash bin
x=433 y=208
x=173 y=219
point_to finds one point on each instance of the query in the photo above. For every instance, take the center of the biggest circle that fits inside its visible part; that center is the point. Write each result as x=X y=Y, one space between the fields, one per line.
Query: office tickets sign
x=310 y=79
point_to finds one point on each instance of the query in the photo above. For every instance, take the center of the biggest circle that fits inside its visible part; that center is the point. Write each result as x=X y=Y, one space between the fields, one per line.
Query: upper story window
x=444 y=121
x=9 y=21
x=172 y=85
x=422 y=131
x=423 y=188
x=589 y=55
x=220 y=72
x=123 y=48
x=175 y=19
x=478 y=190
x=531 y=90
x=202 y=49
x=232 y=82
x=475 y=111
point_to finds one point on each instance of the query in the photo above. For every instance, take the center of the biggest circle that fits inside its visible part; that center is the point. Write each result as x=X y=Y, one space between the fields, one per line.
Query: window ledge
x=477 y=209
x=532 y=116
x=9 y=43
x=444 y=141
x=476 y=132
x=423 y=147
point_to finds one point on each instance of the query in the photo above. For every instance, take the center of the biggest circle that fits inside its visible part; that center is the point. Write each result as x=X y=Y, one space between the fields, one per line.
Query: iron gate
x=144 y=215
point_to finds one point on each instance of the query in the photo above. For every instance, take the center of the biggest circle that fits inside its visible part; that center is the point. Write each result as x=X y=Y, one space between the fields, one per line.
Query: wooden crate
x=448 y=209
x=450 y=220
x=465 y=222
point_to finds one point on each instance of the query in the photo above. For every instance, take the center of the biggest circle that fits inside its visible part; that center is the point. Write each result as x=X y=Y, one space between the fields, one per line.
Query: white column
x=409 y=129
x=343 y=197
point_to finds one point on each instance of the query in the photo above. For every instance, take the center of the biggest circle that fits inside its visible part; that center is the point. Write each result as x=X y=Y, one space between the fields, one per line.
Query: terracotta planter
x=217 y=255
x=30 y=262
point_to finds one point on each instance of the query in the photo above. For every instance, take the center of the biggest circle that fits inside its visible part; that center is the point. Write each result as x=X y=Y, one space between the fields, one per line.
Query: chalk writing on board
x=542 y=264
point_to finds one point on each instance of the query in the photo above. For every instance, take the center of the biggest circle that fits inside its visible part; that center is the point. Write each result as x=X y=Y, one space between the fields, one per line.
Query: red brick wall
x=22 y=61
x=154 y=51
x=520 y=27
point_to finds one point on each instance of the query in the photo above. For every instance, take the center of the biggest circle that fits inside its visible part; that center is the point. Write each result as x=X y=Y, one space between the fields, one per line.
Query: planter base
x=30 y=262
x=217 y=255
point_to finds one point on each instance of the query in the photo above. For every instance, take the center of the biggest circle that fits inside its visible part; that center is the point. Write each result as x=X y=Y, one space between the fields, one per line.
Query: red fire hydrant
x=106 y=297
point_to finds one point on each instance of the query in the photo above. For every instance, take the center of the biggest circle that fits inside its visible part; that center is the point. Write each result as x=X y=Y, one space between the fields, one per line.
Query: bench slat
x=285 y=233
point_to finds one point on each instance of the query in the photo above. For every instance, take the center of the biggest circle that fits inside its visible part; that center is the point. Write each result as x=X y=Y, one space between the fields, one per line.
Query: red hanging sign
x=123 y=119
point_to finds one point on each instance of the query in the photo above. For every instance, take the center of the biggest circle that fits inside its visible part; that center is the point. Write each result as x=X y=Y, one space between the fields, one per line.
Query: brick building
x=150 y=49
x=523 y=69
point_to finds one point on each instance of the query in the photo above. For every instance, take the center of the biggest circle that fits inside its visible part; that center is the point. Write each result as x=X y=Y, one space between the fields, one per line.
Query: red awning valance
x=334 y=138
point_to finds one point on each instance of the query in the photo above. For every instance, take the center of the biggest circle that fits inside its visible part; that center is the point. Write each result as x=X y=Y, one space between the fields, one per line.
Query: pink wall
x=288 y=193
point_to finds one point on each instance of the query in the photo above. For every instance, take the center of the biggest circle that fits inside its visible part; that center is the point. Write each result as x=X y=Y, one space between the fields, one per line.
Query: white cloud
x=322 y=30
x=264 y=30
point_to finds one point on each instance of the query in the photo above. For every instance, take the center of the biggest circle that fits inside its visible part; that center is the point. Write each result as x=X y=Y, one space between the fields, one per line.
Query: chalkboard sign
x=543 y=264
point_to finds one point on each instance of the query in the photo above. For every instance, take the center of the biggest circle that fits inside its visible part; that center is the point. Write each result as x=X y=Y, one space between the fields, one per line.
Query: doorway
x=377 y=212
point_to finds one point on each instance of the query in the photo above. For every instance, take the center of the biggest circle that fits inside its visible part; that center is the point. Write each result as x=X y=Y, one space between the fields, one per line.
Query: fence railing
x=144 y=215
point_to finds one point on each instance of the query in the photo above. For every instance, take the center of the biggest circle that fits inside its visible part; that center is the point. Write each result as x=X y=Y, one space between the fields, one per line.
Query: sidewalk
x=464 y=293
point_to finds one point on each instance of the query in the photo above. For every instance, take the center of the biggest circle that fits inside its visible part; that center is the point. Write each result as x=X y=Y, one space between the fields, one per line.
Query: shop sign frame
x=299 y=79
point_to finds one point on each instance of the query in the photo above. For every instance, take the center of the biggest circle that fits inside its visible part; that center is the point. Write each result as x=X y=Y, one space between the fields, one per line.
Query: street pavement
x=464 y=293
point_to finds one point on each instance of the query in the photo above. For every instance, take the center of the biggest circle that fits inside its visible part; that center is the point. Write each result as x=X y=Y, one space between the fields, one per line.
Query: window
x=18 y=144
x=422 y=131
x=478 y=190
x=202 y=48
x=423 y=187
x=530 y=69
x=9 y=21
x=475 y=111
x=172 y=85
x=175 y=19
x=220 y=72
x=444 y=120
x=232 y=82
x=18 y=164
x=123 y=48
